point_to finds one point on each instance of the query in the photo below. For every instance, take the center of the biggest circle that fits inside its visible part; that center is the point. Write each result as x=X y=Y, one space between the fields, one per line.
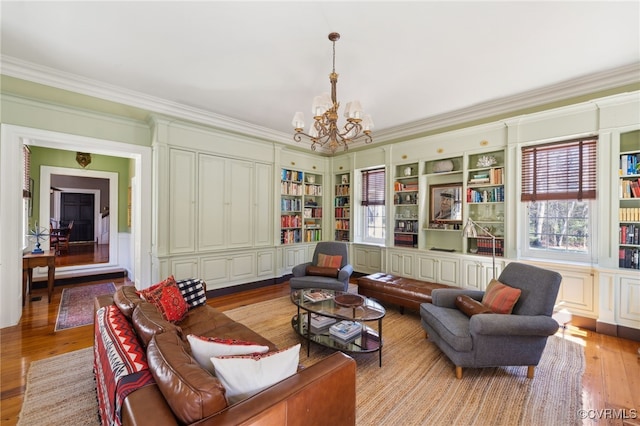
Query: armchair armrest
x=300 y=270
x=513 y=325
x=446 y=297
x=345 y=273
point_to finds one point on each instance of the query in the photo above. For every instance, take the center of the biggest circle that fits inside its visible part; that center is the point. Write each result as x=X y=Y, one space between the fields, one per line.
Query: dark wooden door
x=79 y=208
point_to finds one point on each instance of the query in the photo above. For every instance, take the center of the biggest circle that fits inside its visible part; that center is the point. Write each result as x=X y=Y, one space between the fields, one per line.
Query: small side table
x=30 y=261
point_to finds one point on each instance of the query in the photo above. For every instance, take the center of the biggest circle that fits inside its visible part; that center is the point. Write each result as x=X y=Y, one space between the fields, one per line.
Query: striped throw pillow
x=500 y=298
x=329 y=261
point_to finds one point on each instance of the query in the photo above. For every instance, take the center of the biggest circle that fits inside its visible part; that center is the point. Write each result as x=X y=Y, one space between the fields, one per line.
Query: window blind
x=373 y=193
x=559 y=171
x=26 y=172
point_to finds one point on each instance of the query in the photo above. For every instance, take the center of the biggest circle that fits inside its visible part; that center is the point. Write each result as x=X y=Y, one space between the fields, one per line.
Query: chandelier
x=324 y=130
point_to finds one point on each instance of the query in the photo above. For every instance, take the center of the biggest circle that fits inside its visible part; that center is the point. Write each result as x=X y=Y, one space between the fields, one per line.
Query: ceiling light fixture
x=324 y=129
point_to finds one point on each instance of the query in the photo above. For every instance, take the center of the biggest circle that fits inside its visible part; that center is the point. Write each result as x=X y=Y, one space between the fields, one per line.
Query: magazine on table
x=345 y=330
x=317 y=295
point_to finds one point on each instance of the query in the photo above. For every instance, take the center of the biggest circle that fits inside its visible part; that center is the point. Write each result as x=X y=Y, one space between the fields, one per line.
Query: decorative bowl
x=349 y=300
x=443 y=166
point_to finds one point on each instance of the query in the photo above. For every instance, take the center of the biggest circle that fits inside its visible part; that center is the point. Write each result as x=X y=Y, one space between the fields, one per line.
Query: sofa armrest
x=325 y=390
x=345 y=273
x=147 y=406
x=446 y=297
x=300 y=270
x=513 y=325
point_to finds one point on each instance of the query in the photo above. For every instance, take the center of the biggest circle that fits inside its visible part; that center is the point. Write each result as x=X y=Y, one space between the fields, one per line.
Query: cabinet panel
x=630 y=301
x=294 y=256
x=239 y=184
x=183 y=269
x=427 y=269
x=266 y=263
x=242 y=266
x=263 y=212
x=449 y=271
x=472 y=275
x=211 y=209
x=182 y=214
x=402 y=264
x=576 y=291
x=215 y=271
x=367 y=259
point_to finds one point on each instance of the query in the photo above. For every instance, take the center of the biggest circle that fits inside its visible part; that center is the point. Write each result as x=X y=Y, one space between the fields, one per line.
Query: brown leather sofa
x=182 y=392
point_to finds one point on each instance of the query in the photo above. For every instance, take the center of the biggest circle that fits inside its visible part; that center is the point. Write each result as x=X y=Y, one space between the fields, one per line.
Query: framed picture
x=345 y=179
x=445 y=203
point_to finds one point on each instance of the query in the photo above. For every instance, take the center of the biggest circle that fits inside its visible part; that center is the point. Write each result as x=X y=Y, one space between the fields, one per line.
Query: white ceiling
x=259 y=62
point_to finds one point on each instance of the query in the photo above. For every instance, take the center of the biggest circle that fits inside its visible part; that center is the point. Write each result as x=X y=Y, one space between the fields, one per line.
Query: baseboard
x=618 y=331
x=247 y=286
x=81 y=279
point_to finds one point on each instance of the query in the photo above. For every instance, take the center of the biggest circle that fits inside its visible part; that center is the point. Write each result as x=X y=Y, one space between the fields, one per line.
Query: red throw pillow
x=168 y=299
x=500 y=298
x=146 y=293
x=471 y=307
x=329 y=261
x=322 y=271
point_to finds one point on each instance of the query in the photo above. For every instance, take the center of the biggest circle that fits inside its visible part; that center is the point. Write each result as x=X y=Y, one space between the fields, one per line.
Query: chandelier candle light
x=324 y=129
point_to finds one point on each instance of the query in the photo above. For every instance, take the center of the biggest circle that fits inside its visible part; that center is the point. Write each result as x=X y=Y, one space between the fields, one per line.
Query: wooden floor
x=611 y=380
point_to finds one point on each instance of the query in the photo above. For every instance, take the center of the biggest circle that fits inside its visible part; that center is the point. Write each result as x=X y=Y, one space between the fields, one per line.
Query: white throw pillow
x=243 y=376
x=203 y=348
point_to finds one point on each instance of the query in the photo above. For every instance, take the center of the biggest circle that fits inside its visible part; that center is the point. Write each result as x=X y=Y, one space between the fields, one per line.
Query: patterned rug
x=416 y=384
x=76 y=304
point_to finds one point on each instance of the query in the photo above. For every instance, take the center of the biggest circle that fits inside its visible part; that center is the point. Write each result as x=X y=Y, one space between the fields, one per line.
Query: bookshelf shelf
x=342 y=207
x=629 y=201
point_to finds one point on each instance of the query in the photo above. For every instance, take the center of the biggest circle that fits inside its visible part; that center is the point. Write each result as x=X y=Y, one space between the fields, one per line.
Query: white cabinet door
x=239 y=189
x=215 y=271
x=211 y=208
x=439 y=269
x=366 y=259
x=266 y=263
x=476 y=274
x=242 y=266
x=577 y=292
x=629 y=302
x=184 y=268
x=182 y=210
x=401 y=264
x=263 y=212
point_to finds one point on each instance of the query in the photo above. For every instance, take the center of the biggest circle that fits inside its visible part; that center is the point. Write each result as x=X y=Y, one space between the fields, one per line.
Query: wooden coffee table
x=368 y=311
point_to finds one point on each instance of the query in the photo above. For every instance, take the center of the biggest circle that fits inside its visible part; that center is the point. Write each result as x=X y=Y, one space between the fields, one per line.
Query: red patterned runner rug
x=76 y=305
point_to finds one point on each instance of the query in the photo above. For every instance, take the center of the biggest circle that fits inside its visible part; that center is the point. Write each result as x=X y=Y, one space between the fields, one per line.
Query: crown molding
x=24 y=70
x=605 y=80
x=580 y=86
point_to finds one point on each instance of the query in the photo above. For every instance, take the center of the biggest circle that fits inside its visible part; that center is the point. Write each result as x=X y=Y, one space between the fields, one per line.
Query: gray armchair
x=491 y=340
x=300 y=278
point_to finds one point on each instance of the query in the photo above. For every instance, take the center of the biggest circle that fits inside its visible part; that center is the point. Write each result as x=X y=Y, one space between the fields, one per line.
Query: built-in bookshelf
x=291 y=191
x=629 y=201
x=485 y=201
x=312 y=213
x=444 y=175
x=405 y=203
x=342 y=207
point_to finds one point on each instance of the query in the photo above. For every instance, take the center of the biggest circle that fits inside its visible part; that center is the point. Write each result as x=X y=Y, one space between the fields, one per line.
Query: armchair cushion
x=329 y=261
x=322 y=271
x=500 y=298
x=446 y=297
x=512 y=325
x=471 y=307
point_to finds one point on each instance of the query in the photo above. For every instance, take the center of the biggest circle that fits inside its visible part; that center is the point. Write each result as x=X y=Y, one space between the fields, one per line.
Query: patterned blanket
x=120 y=363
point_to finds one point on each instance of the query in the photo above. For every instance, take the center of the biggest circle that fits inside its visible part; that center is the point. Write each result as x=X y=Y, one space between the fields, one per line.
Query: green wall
x=67 y=159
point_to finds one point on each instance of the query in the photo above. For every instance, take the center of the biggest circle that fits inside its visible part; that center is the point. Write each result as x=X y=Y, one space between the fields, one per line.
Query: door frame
x=13 y=138
x=45 y=209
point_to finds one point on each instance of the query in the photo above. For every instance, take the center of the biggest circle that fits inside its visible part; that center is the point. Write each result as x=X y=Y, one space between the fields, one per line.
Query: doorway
x=77 y=213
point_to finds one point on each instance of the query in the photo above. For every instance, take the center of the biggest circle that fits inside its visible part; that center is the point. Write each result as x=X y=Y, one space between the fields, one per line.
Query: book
x=345 y=330
x=320 y=323
x=317 y=295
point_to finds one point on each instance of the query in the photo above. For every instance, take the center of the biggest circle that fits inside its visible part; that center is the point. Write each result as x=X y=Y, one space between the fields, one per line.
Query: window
x=559 y=189
x=373 y=202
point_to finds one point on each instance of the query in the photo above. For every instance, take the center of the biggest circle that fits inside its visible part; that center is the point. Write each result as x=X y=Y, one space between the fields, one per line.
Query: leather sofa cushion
x=148 y=321
x=471 y=307
x=191 y=392
x=126 y=299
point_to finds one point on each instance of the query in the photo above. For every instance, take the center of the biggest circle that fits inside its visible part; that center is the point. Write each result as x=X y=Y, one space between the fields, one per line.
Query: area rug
x=76 y=305
x=416 y=384
x=61 y=391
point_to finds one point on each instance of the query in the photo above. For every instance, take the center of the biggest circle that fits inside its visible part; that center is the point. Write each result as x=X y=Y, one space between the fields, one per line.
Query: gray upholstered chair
x=301 y=279
x=491 y=340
